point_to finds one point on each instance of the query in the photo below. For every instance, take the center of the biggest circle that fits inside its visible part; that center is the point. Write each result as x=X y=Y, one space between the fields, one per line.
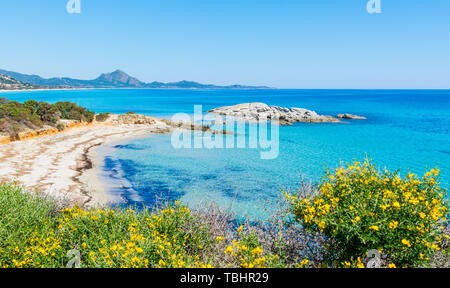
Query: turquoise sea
x=408 y=130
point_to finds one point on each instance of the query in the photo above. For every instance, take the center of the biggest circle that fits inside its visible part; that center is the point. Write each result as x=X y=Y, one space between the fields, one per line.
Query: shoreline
x=65 y=165
x=129 y=88
x=91 y=168
x=44 y=89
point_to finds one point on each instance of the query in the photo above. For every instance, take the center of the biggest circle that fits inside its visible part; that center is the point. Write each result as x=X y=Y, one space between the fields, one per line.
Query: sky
x=304 y=44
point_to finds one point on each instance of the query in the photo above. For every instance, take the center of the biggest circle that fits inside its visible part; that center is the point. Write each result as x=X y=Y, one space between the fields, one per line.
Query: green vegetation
x=16 y=117
x=34 y=232
x=360 y=208
x=334 y=224
x=102 y=117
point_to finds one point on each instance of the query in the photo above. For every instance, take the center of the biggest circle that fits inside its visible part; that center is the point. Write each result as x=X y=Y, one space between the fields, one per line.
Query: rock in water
x=350 y=116
x=261 y=111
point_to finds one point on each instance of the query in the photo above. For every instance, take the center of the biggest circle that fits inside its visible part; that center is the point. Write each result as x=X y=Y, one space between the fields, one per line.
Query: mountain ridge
x=10 y=83
x=115 y=79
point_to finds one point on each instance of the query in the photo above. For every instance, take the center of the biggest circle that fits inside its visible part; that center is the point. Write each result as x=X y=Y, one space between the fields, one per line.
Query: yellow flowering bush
x=247 y=252
x=359 y=208
x=30 y=236
x=355 y=209
x=130 y=239
x=36 y=234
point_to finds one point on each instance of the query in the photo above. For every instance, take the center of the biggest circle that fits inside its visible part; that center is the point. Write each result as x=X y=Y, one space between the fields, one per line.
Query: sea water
x=406 y=130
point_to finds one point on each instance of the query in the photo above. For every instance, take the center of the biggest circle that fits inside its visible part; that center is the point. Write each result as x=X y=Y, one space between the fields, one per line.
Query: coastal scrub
x=354 y=210
x=359 y=208
x=36 y=233
x=16 y=117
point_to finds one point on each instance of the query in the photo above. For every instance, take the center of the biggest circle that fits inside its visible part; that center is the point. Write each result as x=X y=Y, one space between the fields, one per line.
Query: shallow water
x=407 y=130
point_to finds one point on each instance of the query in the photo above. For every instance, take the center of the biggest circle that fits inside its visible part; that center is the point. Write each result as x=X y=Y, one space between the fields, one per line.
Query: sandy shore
x=63 y=165
x=47 y=89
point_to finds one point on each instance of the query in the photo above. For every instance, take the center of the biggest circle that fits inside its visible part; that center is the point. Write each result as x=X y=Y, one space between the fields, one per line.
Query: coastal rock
x=350 y=116
x=261 y=111
x=130 y=119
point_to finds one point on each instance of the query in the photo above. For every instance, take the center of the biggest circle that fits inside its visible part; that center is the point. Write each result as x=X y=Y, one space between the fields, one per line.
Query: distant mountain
x=9 y=83
x=116 y=79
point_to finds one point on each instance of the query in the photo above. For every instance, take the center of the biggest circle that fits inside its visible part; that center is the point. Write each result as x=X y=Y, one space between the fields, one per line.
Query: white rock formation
x=261 y=111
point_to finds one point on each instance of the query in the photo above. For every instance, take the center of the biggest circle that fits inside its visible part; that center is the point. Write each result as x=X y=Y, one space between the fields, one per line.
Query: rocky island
x=261 y=111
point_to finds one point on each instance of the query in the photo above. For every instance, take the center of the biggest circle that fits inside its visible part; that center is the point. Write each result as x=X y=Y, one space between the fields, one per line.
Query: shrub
x=31 y=105
x=72 y=111
x=61 y=127
x=17 y=117
x=246 y=252
x=126 y=238
x=359 y=208
x=35 y=234
x=102 y=117
x=48 y=112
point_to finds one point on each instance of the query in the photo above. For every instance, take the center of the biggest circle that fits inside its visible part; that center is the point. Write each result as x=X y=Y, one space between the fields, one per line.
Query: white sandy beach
x=63 y=165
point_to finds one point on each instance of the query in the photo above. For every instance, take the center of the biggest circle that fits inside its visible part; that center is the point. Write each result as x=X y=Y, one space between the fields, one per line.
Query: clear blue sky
x=281 y=43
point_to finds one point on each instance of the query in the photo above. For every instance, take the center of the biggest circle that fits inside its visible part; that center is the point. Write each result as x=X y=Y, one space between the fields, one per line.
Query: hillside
x=9 y=83
x=116 y=79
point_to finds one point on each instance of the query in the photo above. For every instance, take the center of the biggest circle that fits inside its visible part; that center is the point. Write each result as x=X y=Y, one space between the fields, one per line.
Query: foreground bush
x=354 y=210
x=36 y=233
x=359 y=208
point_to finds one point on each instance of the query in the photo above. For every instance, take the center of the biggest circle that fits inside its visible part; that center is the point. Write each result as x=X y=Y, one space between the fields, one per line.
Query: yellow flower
x=393 y=225
x=406 y=242
x=374 y=228
x=422 y=215
x=346 y=263
x=435 y=171
x=392 y=265
x=229 y=250
x=304 y=262
x=240 y=229
x=359 y=264
x=322 y=225
x=257 y=251
x=435 y=247
x=396 y=205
